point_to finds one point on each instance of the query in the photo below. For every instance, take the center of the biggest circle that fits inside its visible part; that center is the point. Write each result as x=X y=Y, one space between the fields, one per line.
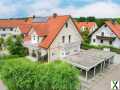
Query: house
x=53 y=37
x=108 y=35
x=13 y=27
x=90 y=26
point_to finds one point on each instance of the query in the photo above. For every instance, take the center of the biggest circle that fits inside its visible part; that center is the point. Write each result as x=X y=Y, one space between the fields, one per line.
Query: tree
x=1 y=42
x=118 y=20
x=15 y=46
x=85 y=35
x=91 y=19
x=81 y=19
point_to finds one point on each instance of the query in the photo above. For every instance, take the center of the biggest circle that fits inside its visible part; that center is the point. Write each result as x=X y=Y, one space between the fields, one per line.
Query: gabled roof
x=89 y=25
x=114 y=27
x=50 y=29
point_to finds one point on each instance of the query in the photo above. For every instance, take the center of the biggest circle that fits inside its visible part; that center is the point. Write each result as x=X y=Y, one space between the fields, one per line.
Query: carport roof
x=88 y=59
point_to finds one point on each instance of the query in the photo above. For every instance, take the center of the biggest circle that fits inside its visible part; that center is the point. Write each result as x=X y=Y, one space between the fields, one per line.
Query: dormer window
x=66 y=25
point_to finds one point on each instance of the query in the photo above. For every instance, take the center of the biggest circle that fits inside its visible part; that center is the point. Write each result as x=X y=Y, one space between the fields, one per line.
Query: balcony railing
x=106 y=38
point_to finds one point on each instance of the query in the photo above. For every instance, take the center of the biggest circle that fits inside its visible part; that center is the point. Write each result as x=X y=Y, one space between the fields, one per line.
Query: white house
x=90 y=26
x=13 y=27
x=108 y=35
x=52 y=38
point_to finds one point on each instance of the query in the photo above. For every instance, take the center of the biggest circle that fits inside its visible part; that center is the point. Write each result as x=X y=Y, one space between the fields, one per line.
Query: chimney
x=34 y=16
x=54 y=15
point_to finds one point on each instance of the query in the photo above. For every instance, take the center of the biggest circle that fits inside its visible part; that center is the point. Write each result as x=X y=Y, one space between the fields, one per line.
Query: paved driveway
x=104 y=83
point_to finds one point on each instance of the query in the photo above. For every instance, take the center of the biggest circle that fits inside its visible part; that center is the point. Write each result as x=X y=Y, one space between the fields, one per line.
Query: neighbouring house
x=90 y=26
x=108 y=35
x=14 y=27
x=53 y=37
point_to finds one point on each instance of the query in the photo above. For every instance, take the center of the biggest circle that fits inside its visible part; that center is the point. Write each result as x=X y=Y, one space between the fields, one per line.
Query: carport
x=90 y=62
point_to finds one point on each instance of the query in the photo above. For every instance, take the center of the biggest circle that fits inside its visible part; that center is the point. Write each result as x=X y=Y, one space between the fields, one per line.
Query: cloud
x=100 y=9
x=7 y=10
x=97 y=8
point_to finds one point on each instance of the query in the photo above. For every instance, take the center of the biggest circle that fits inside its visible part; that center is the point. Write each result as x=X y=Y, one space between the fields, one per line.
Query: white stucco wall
x=58 y=49
x=107 y=32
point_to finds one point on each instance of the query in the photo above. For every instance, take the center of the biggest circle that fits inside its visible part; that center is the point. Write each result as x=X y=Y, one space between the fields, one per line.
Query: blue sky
x=76 y=8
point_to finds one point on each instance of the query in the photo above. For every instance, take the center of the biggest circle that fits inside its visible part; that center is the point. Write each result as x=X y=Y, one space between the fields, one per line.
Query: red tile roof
x=114 y=27
x=49 y=29
x=89 y=25
x=40 y=28
x=54 y=27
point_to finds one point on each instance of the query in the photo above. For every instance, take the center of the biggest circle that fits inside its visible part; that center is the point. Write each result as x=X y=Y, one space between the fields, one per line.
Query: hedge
x=87 y=46
x=24 y=75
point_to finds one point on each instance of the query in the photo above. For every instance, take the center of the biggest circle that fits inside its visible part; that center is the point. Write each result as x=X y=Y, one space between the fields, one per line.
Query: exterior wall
x=5 y=32
x=107 y=33
x=58 y=49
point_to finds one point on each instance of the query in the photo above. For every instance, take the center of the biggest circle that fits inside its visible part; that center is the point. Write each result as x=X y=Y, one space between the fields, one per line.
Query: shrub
x=23 y=75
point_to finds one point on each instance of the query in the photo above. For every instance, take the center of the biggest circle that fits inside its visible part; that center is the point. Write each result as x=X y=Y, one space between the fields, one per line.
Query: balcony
x=105 y=38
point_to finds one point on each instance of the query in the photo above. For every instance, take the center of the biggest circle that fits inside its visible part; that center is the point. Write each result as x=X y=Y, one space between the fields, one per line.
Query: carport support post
x=86 y=75
x=94 y=71
x=101 y=67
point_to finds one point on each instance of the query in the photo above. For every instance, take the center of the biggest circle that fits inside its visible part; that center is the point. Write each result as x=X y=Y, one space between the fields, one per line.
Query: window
x=3 y=29
x=110 y=42
x=63 y=39
x=14 y=36
x=69 y=38
x=93 y=40
x=38 y=38
x=11 y=29
x=102 y=33
x=66 y=25
x=53 y=54
x=101 y=41
x=3 y=35
x=33 y=37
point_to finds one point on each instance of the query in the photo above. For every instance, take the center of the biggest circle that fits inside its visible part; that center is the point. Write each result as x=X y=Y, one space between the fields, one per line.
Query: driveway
x=104 y=83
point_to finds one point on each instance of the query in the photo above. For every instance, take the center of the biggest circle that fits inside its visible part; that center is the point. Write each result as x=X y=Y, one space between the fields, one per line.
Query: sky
x=75 y=8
